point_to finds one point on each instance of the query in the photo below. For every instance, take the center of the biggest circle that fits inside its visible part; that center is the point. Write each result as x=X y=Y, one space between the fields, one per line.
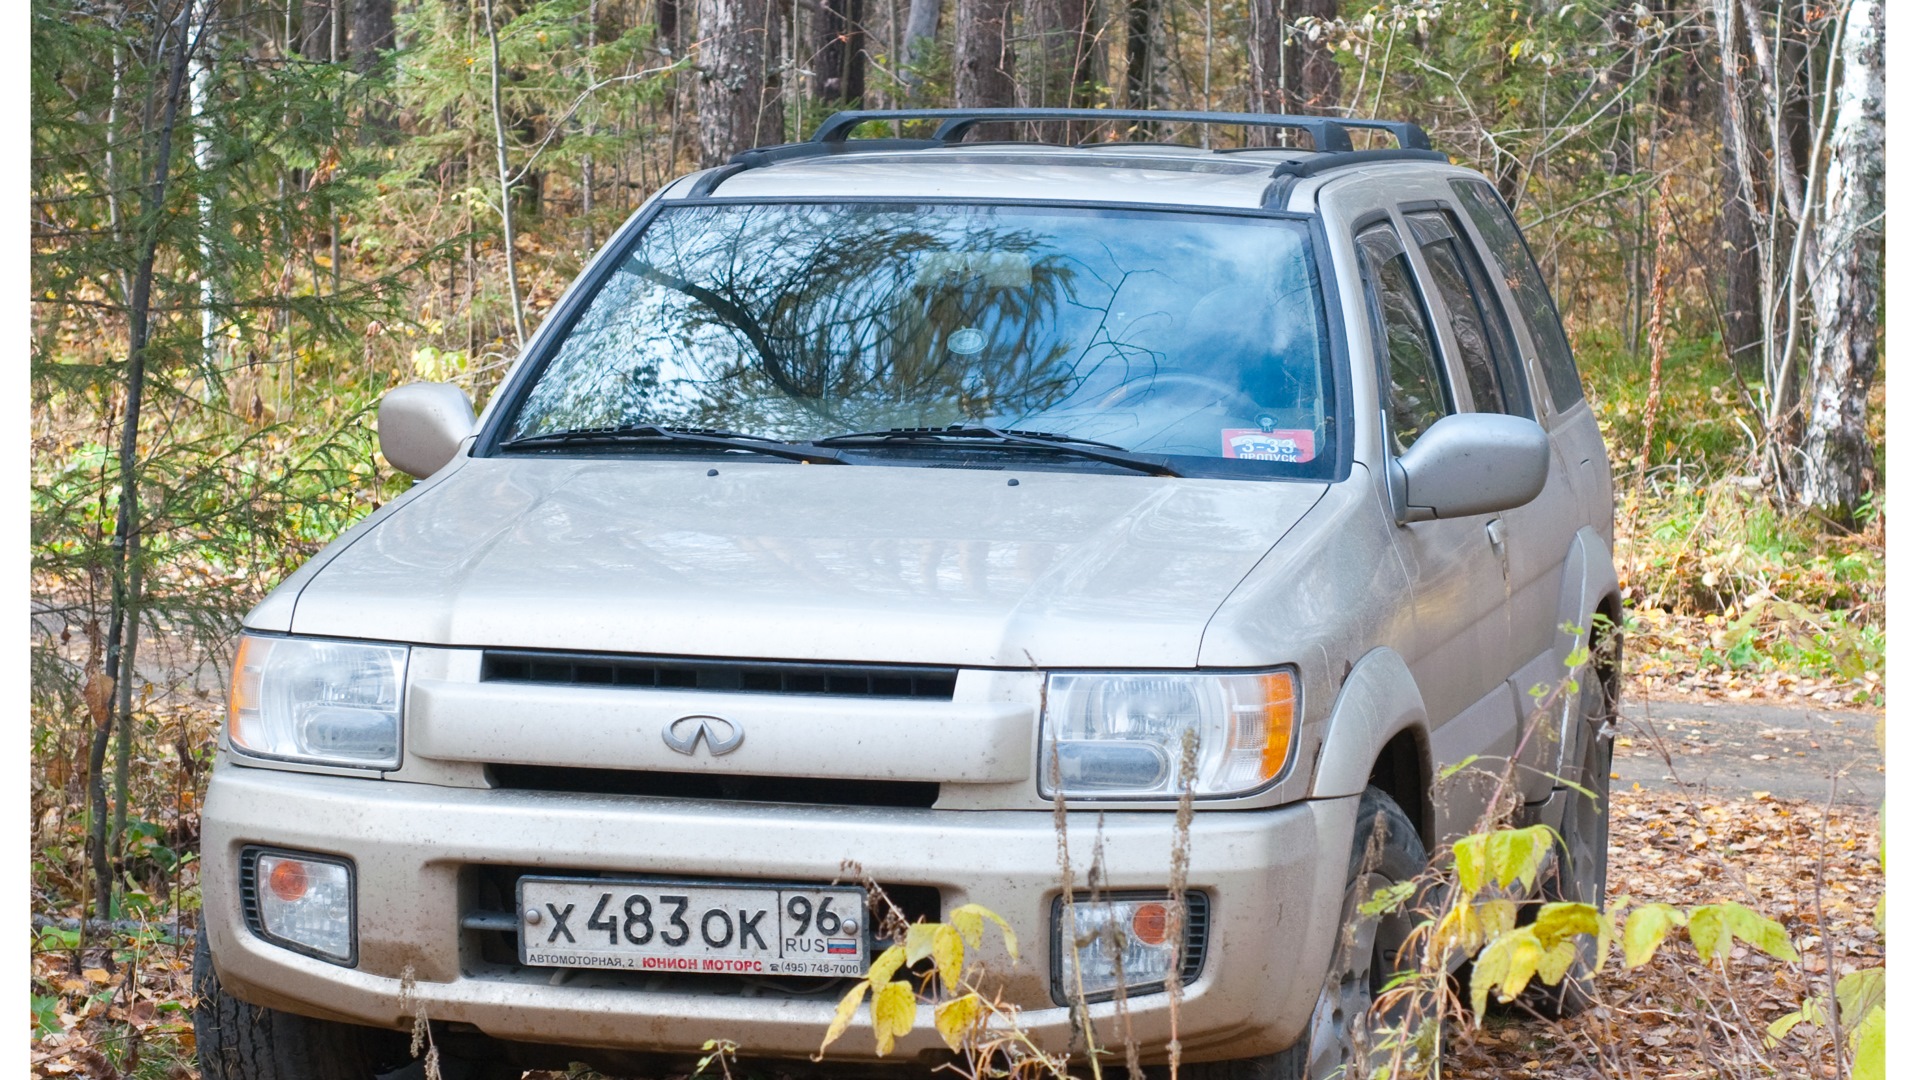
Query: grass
x=1716 y=577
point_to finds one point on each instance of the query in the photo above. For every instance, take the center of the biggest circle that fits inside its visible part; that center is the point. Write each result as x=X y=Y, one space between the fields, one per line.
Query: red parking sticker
x=1254 y=444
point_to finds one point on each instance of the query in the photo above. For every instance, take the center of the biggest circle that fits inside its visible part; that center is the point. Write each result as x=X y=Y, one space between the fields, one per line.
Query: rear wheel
x=1580 y=872
x=1335 y=1042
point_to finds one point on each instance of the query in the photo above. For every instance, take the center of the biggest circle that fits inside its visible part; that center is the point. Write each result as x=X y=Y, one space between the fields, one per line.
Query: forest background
x=251 y=217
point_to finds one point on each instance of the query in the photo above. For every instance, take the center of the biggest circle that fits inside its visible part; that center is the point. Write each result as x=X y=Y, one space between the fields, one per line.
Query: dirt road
x=1737 y=748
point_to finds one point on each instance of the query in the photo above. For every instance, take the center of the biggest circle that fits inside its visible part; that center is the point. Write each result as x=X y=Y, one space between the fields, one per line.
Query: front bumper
x=1274 y=880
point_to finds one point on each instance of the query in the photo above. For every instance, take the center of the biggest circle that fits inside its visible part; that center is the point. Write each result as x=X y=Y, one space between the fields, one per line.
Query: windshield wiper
x=1032 y=440
x=653 y=434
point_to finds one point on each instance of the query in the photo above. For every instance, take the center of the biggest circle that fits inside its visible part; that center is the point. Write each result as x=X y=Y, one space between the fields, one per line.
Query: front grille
x=723 y=676
x=716 y=787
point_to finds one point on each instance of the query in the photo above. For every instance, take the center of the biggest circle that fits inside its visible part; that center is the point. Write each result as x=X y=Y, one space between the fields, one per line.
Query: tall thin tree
x=1060 y=62
x=371 y=32
x=1846 y=285
x=1312 y=78
x=840 y=53
x=921 y=35
x=178 y=40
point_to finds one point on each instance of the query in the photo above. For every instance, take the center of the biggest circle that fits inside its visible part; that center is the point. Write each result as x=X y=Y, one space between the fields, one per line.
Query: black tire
x=1580 y=866
x=1328 y=1047
x=237 y=1041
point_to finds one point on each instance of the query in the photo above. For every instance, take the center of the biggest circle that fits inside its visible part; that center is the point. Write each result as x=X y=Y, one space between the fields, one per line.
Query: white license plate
x=688 y=926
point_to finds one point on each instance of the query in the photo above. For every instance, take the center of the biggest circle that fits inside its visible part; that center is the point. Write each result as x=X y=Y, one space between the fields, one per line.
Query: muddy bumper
x=1272 y=879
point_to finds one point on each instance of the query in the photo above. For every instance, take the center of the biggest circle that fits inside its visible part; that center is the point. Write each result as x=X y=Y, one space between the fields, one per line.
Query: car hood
x=781 y=560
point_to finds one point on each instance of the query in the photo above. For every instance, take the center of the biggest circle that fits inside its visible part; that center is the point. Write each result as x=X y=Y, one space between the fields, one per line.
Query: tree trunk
x=1266 y=65
x=1740 y=244
x=1144 y=53
x=123 y=629
x=372 y=32
x=923 y=30
x=737 y=106
x=506 y=178
x=840 y=53
x=1058 y=69
x=1312 y=78
x=1846 y=293
x=667 y=19
x=199 y=90
x=315 y=41
x=982 y=61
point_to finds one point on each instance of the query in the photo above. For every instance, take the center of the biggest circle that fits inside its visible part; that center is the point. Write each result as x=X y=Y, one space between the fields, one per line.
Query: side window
x=1503 y=237
x=1496 y=379
x=1415 y=391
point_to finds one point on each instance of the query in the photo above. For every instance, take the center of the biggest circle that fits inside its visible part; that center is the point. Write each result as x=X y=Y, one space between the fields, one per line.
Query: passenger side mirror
x=422 y=425
x=1470 y=463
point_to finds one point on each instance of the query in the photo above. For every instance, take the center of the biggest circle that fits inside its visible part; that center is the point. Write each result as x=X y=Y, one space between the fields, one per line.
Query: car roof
x=1163 y=174
x=1139 y=173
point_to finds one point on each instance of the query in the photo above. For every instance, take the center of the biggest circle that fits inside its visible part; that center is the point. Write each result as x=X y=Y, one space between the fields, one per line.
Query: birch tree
x=1846 y=281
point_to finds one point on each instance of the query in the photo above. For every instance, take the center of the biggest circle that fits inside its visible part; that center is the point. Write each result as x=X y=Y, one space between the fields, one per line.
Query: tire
x=237 y=1041
x=1580 y=866
x=1363 y=957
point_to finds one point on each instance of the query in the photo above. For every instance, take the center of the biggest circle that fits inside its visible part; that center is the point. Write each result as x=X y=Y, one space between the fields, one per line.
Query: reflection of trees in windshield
x=803 y=320
x=729 y=318
x=844 y=320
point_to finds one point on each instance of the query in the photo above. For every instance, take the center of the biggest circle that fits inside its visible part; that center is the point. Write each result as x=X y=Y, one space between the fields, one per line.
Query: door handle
x=1497 y=533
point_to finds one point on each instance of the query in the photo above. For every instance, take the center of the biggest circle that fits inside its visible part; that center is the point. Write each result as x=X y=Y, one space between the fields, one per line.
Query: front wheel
x=1336 y=1042
x=237 y=1041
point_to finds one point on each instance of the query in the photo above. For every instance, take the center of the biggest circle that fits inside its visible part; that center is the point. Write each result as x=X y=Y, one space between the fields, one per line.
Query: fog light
x=303 y=902
x=1126 y=940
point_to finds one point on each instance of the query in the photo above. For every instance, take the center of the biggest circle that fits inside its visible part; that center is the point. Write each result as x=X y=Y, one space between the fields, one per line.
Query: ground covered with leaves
x=1812 y=867
x=123 y=1008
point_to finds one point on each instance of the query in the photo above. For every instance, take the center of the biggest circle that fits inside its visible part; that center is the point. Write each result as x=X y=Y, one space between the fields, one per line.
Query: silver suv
x=867 y=499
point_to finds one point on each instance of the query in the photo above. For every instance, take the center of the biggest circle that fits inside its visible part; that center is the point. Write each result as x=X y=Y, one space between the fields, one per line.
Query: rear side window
x=1464 y=312
x=1415 y=391
x=1496 y=224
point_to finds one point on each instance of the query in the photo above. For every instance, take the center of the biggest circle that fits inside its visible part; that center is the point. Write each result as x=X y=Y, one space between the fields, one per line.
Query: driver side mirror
x=1470 y=463
x=422 y=425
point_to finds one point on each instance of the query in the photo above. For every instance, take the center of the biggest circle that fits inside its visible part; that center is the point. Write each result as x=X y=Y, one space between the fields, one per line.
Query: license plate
x=689 y=926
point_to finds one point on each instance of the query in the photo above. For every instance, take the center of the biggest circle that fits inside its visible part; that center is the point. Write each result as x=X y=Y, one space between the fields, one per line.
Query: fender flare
x=1378 y=700
x=1588 y=584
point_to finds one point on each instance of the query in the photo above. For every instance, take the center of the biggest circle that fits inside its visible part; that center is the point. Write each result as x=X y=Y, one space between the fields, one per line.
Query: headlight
x=1119 y=736
x=319 y=701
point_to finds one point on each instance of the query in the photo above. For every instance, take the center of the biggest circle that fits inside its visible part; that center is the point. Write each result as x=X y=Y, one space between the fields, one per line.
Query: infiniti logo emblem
x=723 y=736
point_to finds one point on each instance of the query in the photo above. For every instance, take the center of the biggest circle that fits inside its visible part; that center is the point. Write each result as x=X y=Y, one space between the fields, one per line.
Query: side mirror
x=422 y=426
x=1470 y=463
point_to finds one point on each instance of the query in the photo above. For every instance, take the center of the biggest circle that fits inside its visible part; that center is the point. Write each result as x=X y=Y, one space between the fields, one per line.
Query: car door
x=1540 y=534
x=1459 y=650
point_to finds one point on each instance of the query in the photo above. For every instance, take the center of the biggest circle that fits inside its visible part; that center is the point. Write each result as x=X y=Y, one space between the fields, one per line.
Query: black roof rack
x=1328 y=134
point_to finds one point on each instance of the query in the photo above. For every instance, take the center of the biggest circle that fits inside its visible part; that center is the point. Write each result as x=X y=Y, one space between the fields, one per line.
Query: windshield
x=1199 y=338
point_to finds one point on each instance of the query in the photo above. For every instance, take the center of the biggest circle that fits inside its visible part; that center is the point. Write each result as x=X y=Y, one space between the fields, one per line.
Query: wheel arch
x=1589 y=586
x=1377 y=736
